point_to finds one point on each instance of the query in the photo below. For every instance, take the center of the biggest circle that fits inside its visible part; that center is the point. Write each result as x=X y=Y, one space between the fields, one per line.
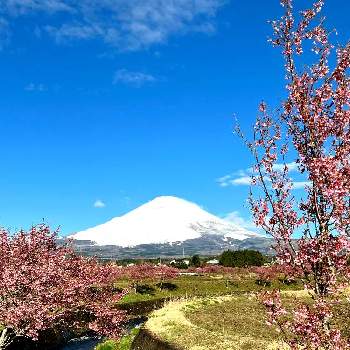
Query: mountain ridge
x=206 y=245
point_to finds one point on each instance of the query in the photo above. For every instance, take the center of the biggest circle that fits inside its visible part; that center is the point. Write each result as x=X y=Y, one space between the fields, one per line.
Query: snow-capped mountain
x=165 y=219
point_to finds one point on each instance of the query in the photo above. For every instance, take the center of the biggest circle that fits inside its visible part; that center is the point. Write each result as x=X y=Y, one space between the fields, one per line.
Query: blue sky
x=107 y=104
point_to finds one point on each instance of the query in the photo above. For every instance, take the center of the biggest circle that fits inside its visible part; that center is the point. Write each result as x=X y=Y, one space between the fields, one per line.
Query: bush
x=262 y=282
x=166 y=286
x=241 y=258
x=145 y=289
x=195 y=261
x=179 y=265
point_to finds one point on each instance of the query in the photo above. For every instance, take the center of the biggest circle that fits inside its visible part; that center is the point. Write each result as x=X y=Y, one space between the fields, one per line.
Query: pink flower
x=45 y=286
x=313 y=129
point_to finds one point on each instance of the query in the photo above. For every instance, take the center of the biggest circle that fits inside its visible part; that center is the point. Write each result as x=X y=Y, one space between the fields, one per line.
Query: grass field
x=214 y=312
x=224 y=312
x=230 y=322
x=199 y=286
x=221 y=323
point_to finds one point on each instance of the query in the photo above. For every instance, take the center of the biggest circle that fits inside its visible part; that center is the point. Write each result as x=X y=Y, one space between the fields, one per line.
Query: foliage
x=166 y=286
x=44 y=286
x=124 y=343
x=282 y=272
x=144 y=289
x=108 y=345
x=147 y=271
x=179 y=264
x=309 y=135
x=195 y=261
x=241 y=258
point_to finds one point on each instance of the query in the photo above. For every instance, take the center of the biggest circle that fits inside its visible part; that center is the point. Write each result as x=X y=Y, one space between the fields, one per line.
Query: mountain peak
x=164 y=219
x=168 y=203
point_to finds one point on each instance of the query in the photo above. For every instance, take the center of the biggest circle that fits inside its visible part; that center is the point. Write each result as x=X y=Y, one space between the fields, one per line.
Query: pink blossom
x=312 y=128
x=46 y=286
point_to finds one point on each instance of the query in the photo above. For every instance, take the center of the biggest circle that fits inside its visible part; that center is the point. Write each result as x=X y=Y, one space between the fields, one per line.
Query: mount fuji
x=164 y=226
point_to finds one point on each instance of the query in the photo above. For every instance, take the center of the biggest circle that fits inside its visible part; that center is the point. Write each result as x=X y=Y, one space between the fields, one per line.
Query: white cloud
x=235 y=218
x=35 y=87
x=300 y=184
x=292 y=166
x=243 y=180
x=237 y=178
x=22 y=7
x=243 y=177
x=99 y=204
x=233 y=180
x=124 y=24
x=135 y=79
x=4 y=32
x=224 y=180
x=73 y=31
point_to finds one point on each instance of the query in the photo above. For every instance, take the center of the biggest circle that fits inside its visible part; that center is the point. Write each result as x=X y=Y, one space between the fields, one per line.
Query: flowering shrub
x=282 y=272
x=309 y=135
x=148 y=271
x=137 y=273
x=44 y=286
x=265 y=275
x=303 y=327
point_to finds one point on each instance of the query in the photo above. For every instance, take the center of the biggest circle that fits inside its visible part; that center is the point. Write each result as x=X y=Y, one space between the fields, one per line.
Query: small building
x=180 y=261
x=213 y=262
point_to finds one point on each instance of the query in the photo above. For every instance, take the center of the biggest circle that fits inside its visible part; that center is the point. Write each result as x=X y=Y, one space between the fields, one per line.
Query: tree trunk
x=6 y=338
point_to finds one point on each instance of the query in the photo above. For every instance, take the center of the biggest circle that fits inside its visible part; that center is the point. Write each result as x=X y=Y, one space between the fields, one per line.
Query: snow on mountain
x=165 y=219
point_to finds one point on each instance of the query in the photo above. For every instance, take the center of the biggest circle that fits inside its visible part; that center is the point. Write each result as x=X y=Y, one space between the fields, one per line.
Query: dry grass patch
x=223 y=323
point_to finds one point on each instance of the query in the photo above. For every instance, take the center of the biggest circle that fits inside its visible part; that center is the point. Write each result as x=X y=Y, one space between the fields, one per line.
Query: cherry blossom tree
x=144 y=272
x=309 y=134
x=44 y=286
x=285 y=273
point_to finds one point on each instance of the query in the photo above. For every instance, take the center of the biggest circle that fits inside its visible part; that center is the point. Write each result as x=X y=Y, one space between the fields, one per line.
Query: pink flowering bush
x=44 y=286
x=303 y=327
x=310 y=136
x=148 y=272
x=283 y=272
x=143 y=272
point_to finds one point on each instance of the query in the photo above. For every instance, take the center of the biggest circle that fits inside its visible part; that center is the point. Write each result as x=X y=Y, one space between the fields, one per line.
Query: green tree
x=195 y=261
x=241 y=258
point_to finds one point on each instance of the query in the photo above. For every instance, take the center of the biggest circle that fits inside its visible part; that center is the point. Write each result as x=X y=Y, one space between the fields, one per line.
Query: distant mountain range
x=166 y=227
